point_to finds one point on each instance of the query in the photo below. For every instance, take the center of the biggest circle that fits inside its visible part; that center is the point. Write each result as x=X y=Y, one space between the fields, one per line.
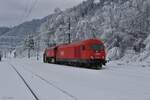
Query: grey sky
x=13 y=12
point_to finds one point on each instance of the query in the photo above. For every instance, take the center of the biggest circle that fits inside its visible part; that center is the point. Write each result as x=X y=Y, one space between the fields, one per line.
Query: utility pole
x=69 y=34
x=38 y=47
x=29 y=53
x=30 y=44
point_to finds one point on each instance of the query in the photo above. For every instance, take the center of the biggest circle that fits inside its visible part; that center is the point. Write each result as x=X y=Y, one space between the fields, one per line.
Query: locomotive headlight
x=103 y=57
x=92 y=57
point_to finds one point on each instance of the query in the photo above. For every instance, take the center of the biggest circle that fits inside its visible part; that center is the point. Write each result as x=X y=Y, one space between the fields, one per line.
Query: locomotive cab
x=98 y=51
x=93 y=52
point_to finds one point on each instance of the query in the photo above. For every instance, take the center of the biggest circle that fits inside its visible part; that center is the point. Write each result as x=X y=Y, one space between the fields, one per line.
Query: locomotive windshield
x=97 y=47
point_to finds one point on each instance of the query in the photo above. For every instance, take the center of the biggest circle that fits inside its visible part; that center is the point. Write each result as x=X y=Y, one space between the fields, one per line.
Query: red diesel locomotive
x=88 y=53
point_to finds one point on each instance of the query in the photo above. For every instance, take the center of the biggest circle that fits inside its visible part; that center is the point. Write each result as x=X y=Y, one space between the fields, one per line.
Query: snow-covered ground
x=116 y=81
x=11 y=86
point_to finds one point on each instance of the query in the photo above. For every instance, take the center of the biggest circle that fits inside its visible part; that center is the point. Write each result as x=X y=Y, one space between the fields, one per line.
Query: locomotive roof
x=82 y=42
x=77 y=43
x=87 y=40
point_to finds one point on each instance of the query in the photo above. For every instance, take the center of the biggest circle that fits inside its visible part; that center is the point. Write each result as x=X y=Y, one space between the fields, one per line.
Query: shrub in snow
x=143 y=56
x=147 y=43
x=114 y=53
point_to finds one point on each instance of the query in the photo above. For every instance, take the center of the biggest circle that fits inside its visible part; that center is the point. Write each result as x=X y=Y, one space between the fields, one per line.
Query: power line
x=31 y=8
x=28 y=10
x=25 y=11
x=24 y=81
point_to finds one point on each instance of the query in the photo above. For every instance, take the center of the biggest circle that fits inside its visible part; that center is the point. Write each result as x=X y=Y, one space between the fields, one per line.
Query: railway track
x=50 y=83
x=24 y=81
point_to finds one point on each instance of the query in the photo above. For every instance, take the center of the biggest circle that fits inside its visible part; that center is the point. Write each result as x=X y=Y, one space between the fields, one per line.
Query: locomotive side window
x=97 y=47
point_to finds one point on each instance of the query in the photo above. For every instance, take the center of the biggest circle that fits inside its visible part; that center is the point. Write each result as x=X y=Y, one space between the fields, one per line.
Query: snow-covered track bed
x=113 y=82
x=55 y=86
x=24 y=81
x=12 y=87
x=42 y=89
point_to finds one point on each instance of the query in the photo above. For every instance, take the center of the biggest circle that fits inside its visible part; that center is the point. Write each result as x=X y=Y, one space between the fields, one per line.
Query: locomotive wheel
x=48 y=60
x=99 y=66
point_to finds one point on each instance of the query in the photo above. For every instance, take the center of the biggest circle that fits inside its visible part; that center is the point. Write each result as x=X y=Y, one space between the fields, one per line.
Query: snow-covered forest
x=123 y=25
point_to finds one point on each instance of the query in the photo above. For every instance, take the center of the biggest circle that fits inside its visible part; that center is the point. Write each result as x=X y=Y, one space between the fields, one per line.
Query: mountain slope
x=3 y=30
x=18 y=33
x=121 y=24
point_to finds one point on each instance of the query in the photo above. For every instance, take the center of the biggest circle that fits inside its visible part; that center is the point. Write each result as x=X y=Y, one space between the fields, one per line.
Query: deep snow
x=116 y=81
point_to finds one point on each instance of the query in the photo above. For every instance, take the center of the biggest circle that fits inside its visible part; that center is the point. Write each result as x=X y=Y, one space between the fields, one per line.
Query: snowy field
x=116 y=81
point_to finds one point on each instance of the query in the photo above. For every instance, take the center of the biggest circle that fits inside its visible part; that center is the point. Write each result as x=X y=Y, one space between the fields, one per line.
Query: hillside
x=18 y=33
x=123 y=25
x=3 y=30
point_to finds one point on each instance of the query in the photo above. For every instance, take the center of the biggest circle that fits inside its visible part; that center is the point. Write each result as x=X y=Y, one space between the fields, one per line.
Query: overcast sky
x=13 y=12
